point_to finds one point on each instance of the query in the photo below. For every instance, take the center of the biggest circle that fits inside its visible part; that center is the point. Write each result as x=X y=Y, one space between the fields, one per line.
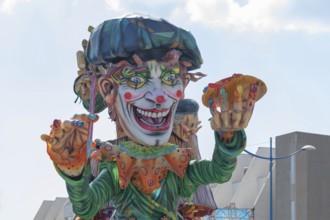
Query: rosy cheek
x=128 y=96
x=179 y=93
x=175 y=94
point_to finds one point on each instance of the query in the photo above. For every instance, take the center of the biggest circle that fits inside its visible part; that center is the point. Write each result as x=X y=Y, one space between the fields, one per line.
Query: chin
x=154 y=141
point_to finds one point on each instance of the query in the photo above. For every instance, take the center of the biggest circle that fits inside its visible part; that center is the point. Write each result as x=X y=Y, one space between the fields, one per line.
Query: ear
x=107 y=89
x=186 y=80
x=183 y=92
x=185 y=75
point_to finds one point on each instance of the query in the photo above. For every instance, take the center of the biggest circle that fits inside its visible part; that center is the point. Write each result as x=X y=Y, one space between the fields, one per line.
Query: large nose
x=157 y=96
x=160 y=99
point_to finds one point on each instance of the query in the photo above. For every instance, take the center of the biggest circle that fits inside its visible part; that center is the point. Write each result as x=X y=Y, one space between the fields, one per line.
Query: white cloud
x=158 y=2
x=7 y=6
x=311 y=27
x=258 y=15
x=115 y=5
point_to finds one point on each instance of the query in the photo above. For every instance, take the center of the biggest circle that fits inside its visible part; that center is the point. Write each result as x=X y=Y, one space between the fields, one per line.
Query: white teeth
x=153 y=114
x=166 y=112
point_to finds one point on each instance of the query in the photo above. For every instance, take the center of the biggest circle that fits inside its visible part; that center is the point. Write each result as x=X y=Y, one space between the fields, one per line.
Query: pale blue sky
x=286 y=43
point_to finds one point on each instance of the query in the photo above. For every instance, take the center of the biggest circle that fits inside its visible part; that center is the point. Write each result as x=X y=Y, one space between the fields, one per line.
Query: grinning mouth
x=153 y=119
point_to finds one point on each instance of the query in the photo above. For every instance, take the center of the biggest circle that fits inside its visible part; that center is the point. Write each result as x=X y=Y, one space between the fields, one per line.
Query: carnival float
x=137 y=68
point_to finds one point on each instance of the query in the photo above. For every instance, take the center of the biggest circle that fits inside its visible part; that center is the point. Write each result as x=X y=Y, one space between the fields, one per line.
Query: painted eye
x=136 y=82
x=170 y=79
x=127 y=70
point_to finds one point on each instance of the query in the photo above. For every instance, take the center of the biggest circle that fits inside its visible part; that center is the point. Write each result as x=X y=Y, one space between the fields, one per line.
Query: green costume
x=88 y=198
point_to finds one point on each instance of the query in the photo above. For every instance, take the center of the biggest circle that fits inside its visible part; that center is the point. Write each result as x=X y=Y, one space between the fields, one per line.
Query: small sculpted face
x=147 y=100
x=188 y=126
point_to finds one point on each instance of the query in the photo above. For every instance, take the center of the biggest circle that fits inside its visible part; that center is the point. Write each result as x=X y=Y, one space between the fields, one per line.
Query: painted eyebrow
x=139 y=68
x=169 y=66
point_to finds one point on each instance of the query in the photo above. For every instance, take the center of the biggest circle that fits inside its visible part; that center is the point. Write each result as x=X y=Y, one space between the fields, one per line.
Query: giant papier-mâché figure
x=138 y=68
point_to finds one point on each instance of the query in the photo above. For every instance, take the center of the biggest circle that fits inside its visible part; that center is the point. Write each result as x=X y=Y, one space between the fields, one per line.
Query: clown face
x=147 y=99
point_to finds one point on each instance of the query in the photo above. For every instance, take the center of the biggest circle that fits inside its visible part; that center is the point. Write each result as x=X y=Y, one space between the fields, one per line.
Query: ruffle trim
x=147 y=171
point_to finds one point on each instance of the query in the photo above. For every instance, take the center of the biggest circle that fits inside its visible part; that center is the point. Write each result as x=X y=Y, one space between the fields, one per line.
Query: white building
x=248 y=189
x=59 y=209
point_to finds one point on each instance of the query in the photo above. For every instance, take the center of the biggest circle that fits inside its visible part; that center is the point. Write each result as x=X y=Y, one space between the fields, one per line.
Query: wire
x=250 y=145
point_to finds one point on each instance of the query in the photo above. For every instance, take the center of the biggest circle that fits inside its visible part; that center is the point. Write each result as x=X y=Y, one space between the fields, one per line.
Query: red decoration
x=128 y=95
x=160 y=99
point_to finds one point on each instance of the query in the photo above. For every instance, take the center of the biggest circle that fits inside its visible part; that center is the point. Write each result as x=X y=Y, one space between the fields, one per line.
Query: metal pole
x=271 y=180
x=293 y=187
x=91 y=112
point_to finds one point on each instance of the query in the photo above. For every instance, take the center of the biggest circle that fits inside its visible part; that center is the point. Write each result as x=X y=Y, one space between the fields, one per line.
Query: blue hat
x=187 y=106
x=150 y=38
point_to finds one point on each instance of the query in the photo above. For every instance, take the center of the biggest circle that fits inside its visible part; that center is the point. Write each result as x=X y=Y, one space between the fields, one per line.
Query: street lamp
x=271 y=158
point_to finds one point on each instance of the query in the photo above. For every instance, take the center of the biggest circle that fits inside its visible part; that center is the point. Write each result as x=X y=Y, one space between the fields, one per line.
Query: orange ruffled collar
x=145 y=166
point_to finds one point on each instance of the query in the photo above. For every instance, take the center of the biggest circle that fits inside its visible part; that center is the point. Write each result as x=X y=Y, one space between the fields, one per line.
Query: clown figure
x=142 y=66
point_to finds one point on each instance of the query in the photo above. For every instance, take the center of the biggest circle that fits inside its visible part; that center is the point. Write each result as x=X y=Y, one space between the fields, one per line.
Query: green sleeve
x=88 y=198
x=219 y=169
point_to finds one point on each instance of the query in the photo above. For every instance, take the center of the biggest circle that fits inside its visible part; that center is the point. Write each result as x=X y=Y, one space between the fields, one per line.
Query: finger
x=79 y=139
x=216 y=123
x=197 y=129
x=57 y=129
x=237 y=107
x=212 y=107
x=249 y=105
x=86 y=117
x=245 y=119
x=68 y=125
x=224 y=106
x=48 y=139
x=76 y=131
x=73 y=142
x=77 y=123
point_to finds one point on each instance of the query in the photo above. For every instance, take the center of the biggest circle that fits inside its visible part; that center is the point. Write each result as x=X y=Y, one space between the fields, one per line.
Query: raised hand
x=232 y=101
x=66 y=143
